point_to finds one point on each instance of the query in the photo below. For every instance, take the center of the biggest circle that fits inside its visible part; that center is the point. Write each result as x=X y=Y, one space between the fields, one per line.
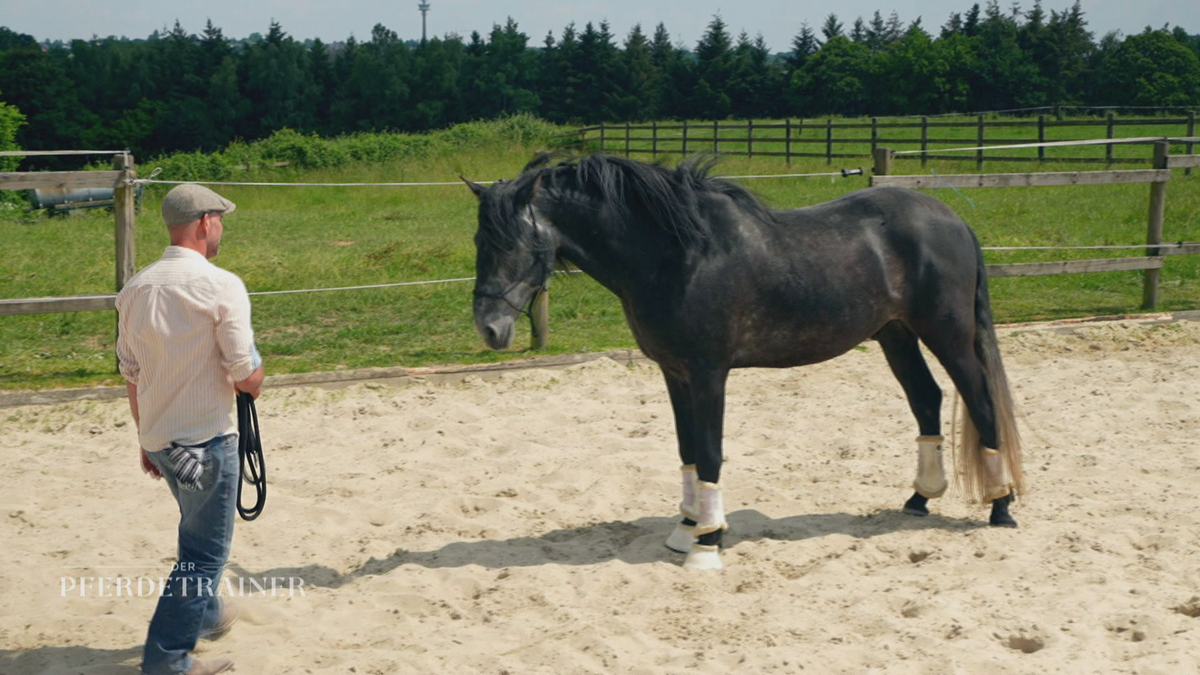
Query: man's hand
x=149 y=467
x=252 y=385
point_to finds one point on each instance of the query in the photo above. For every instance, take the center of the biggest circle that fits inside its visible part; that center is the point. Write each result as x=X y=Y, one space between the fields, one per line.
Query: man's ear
x=475 y=187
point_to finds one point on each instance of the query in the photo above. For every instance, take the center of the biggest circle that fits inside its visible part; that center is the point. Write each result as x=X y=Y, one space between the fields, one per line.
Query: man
x=185 y=345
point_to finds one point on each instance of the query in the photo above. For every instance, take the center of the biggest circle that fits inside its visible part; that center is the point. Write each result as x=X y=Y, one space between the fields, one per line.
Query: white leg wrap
x=998 y=486
x=703 y=558
x=682 y=538
x=690 y=507
x=712 y=509
x=931 y=476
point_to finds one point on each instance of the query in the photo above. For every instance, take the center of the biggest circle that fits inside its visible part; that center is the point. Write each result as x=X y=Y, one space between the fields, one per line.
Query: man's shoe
x=210 y=667
x=230 y=613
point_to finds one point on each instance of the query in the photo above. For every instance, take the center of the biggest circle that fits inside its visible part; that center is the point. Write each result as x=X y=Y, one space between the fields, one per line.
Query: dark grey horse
x=710 y=279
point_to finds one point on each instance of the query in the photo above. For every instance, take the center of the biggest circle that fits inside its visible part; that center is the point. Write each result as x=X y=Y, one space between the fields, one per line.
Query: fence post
x=829 y=141
x=749 y=138
x=924 y=141
x=654 y=139
x=716 y=137
x=874 y=134
x=684 y=151
x=541 y=319
x=602 y=137
x=1108 y=148
x=1041 y=137
x=979 y=153
x=787 y=140
x=123 y=213
x=883 y=161
x=1158 y=202
x=627 y=138
x=1191 y=132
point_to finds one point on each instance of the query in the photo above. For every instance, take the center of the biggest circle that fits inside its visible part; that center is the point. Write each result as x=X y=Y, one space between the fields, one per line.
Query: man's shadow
x=635 y=542
x=72 y=660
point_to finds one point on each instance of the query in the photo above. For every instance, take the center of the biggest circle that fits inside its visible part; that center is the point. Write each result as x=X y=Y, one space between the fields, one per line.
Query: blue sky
x=333 y=20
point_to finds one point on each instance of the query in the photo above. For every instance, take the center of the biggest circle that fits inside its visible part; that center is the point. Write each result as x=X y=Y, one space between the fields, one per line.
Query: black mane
x=669 y=198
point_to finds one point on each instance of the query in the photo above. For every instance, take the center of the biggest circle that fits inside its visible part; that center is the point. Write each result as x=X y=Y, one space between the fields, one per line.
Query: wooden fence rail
x=1158 y=177
x=785 y=139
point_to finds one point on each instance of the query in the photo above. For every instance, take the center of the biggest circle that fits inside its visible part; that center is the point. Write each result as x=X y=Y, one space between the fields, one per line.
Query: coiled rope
x=253 y=470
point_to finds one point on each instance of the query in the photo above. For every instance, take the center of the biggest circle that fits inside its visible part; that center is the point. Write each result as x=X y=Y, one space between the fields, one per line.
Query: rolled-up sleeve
x=126 y=360
x=235 y=337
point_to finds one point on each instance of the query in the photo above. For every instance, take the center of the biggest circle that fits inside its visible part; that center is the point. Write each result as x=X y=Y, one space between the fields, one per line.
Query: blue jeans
x=189 y=605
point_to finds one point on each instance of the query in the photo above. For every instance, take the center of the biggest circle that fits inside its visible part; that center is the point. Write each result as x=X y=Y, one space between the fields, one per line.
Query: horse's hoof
x=682 y=538
x=703 y=557
x=915 y=506
x=1000 y=516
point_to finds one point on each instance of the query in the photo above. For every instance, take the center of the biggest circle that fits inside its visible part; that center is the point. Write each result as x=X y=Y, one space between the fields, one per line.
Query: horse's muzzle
x=497 y=332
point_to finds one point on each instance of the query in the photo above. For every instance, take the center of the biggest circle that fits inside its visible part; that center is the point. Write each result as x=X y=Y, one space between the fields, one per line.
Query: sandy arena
x=514 y=525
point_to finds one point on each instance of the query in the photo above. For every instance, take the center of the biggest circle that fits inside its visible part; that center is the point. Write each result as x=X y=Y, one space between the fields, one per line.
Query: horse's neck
x=617 y=255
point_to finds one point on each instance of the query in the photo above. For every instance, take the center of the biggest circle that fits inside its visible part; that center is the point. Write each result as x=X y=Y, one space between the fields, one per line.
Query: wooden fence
x=1157 y=177
x=120 y=178
x=788 y=138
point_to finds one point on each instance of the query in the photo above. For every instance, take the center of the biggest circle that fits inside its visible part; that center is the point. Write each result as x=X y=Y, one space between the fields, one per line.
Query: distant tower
x=424 y=7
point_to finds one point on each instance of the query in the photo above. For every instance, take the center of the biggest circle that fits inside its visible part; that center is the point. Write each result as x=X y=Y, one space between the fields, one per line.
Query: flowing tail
x=980 y=471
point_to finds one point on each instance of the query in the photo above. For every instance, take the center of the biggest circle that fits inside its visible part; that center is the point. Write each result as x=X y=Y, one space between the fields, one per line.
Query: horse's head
x=514 y=257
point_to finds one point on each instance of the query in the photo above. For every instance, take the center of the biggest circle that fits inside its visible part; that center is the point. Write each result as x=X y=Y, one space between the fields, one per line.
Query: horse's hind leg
x=903 y=353
x=956 y=352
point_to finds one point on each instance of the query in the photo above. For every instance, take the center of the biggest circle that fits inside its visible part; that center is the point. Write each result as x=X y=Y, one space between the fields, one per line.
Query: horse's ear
x=475 y=187
x=527 y=193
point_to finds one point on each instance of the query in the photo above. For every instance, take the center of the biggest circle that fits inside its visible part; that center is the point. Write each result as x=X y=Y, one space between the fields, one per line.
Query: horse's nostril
x=491 y=334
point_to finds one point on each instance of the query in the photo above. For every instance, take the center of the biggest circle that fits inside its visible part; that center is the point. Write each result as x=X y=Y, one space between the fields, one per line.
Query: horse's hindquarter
x=823 y=279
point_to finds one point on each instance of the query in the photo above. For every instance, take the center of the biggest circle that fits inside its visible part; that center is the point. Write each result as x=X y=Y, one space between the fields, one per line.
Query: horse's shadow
x=74 y=659
x=635 y=543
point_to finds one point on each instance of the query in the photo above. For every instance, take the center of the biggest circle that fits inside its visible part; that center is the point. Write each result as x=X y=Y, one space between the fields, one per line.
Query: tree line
x=178 y=91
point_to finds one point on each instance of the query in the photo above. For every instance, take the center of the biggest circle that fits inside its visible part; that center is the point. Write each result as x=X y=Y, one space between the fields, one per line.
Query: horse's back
x=913 y=234
x=900 y=210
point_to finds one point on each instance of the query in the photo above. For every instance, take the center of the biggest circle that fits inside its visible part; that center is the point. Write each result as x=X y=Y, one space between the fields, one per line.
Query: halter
x=541 y=259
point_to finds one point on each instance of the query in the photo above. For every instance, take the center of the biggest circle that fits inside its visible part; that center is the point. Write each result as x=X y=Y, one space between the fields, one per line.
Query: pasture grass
x=284 y=238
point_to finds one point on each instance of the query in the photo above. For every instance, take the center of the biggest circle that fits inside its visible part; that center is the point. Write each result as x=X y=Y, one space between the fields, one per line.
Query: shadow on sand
x=71 y=661
x=636 y=543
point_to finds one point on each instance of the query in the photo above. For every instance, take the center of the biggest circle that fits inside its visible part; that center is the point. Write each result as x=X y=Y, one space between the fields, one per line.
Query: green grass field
x=284 y=238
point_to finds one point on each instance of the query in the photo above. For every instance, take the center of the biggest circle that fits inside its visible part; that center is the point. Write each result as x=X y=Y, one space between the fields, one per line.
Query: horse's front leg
x=707 y=389
x=684 y=534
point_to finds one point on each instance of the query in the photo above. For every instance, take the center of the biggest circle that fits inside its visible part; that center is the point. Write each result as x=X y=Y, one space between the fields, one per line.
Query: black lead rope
x=253 y=469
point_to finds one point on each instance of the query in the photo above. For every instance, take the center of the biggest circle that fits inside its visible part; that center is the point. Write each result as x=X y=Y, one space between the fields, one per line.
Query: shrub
x=300 y=151
x=188 y=166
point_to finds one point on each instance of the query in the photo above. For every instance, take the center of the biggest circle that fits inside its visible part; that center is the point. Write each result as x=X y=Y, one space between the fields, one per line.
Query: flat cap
x=187 y=202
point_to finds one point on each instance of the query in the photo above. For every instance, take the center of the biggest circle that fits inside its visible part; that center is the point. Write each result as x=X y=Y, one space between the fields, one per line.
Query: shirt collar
x=181 y=252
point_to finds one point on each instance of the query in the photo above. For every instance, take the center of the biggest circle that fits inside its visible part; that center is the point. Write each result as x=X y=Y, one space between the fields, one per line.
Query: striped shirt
x=184 y=339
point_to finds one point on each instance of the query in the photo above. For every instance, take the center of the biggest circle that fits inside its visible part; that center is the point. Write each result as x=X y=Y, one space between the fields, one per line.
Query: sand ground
x=514 y=525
